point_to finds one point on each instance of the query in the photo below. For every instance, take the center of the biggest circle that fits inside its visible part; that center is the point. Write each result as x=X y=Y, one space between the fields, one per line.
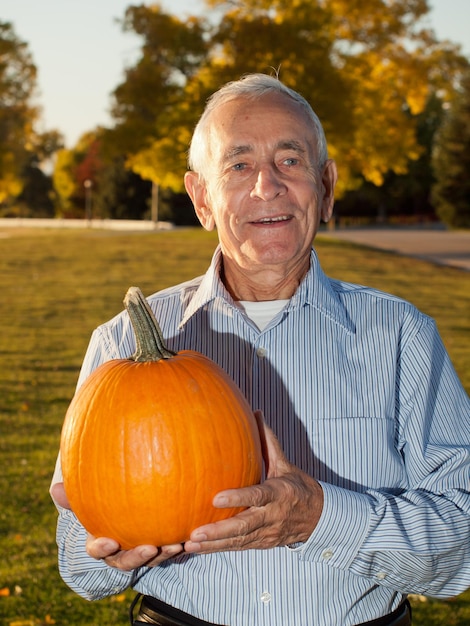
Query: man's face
x=263 y=189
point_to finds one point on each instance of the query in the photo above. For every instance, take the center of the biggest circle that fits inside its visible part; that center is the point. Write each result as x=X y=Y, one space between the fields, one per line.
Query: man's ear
x=196 y=189
x=329 y=178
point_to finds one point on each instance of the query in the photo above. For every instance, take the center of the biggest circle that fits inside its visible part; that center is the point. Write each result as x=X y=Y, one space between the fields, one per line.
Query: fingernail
x=109 y=546
x=220 y=501
x=149 y=552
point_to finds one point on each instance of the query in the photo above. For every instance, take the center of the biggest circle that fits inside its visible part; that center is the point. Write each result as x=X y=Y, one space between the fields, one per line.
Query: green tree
x=17 y=111
x=451 y=162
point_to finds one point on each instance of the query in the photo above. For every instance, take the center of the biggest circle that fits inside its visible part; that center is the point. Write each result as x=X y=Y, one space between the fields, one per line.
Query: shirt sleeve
x=416 y=539
x=88 y=577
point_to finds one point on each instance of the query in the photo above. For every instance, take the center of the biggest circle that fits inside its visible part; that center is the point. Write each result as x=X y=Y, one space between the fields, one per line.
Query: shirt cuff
x=342 y=529
x=92 y=579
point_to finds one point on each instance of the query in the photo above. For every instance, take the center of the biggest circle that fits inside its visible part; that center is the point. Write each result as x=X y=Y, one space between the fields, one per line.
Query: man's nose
x=268 y=184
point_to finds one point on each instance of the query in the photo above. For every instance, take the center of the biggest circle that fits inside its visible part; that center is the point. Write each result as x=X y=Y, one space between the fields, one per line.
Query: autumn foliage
x=370 y=69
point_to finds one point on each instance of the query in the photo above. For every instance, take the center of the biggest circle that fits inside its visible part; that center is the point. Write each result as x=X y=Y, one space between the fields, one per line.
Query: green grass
x=56 y=286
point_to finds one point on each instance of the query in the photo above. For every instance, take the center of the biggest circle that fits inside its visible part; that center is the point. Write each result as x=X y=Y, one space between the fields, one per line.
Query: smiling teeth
x=267 y=220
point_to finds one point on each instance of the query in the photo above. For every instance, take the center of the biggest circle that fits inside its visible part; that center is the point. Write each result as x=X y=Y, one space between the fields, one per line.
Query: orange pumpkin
x=147 y=442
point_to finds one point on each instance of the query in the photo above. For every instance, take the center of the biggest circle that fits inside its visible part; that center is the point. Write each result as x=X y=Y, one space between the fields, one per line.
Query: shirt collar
x=315 y=290
x=210 y=288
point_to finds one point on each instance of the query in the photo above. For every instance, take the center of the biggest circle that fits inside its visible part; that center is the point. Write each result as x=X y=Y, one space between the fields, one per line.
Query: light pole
x=88 y=184
x=154 y=204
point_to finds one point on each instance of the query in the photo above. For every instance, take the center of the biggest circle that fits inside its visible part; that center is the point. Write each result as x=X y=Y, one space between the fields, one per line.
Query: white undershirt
x=262 y=312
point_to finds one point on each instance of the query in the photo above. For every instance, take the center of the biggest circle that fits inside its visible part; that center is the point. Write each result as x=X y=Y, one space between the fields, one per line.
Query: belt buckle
x=148 y=615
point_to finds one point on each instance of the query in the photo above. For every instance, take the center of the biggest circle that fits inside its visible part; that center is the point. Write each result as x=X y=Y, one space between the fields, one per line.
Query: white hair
x=250 y=86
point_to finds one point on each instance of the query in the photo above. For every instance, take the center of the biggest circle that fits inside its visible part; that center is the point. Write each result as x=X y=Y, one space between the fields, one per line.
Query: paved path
x=445 y=247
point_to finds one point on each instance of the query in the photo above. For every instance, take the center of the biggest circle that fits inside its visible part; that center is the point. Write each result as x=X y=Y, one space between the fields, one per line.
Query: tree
x=121 y=194
x=401 y=196
x=76 y=175
x=171 y=52
x=451 y=162
x=36 y=198
x=17 y=113
x=367 y=66
x=85 y=175
x=147 y=132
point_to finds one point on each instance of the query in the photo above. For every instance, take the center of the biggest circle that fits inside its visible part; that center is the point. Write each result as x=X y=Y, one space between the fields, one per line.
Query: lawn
x=56 y=286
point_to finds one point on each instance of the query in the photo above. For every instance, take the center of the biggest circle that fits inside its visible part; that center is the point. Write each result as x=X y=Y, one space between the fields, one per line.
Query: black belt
x=399 y=617
x=156 y=612
x=153 y=611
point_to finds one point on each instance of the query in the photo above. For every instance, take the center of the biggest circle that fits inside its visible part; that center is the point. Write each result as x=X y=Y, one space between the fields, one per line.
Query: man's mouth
x=273 y=220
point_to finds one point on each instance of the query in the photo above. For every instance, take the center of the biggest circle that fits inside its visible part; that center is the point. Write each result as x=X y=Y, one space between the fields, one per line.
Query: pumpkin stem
x=148 y=335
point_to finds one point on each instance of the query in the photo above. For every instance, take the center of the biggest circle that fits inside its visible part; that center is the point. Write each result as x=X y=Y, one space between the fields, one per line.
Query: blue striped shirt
x=361 y=393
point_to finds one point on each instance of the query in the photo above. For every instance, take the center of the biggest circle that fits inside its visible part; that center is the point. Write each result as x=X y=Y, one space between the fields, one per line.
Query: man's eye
x=239 y=166
x=291 y=161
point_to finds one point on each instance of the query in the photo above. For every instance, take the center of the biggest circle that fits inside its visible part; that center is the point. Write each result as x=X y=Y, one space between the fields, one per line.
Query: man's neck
x=262 y=285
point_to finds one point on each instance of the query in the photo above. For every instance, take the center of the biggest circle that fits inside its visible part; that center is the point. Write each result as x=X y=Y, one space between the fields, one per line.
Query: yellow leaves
x=64 y=183
x=5 y=592
x=17 y=111
x=164 y=162
x=366 y=66
x=10 y=184
x=416 y=98
x=389 y=89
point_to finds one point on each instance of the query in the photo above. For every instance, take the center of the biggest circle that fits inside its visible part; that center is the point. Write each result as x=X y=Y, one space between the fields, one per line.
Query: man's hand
x=283 y=510
x=109 y=551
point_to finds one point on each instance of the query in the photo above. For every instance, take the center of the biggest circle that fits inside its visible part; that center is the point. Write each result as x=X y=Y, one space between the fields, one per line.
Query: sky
x=80 y=51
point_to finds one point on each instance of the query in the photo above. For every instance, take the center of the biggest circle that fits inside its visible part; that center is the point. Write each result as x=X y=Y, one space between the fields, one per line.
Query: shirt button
x=327 y=554
x=265 y=597
x=261 y=352
x=381 y=575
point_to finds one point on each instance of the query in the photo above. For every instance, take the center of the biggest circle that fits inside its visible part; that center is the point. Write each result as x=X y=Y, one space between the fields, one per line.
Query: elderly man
x=366 y=430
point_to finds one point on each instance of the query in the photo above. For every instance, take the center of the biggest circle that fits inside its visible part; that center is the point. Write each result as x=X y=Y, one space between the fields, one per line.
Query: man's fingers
x=109 y=551
x=257 y=495
x=100 y=547
x=234 y=533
